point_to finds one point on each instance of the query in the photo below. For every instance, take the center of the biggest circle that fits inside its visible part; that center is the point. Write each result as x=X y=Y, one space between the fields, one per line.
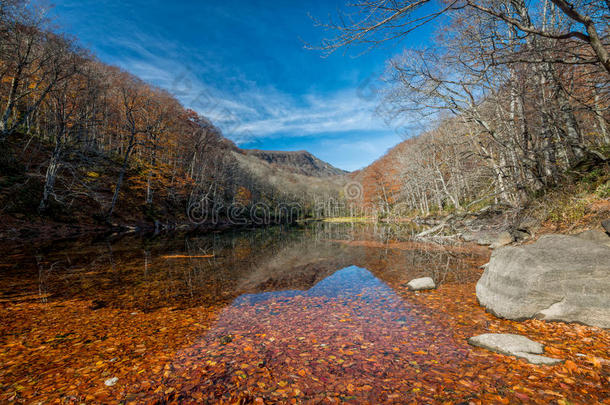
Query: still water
x=317 y=313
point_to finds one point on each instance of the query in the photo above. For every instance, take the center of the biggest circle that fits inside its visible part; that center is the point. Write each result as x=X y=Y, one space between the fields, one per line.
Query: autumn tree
x=75 y=122
x=32 y=65
x=135 y=123
x=67 y=108
x=377 y=21
x=519 y=84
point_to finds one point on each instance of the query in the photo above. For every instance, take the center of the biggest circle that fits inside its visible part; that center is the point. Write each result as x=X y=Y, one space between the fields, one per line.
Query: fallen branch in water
x=435 y=229
x=430 y=231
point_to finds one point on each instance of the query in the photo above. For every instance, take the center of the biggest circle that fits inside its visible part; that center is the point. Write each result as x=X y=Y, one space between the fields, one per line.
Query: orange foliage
x=348 y=349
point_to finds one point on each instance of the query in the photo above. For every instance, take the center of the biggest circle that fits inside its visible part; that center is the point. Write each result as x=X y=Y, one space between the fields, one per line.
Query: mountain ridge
x=298 y=162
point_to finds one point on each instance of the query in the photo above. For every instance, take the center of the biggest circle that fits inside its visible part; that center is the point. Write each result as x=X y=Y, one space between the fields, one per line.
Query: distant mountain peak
x=300 y=162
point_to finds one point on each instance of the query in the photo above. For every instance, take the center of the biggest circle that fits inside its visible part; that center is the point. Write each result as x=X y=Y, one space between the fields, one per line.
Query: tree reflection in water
x=137 y=273
x=161 y=314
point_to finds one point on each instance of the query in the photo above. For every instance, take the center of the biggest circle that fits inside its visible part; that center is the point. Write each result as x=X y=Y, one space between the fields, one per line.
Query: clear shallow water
x=274 y=314
x=349 y=333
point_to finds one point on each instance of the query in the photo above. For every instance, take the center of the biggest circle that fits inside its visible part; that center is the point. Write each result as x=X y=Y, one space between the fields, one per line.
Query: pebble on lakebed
x=513 y=345
x=111 y=381
x=424 y=283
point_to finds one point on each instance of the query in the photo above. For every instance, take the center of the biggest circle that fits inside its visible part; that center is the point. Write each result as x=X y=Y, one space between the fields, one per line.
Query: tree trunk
x=51 y=176
x=119 y=183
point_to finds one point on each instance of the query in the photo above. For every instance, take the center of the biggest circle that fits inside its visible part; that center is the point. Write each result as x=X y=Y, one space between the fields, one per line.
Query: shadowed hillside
x=300 y=162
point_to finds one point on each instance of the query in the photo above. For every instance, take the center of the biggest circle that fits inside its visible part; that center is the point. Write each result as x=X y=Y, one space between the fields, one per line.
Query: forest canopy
x=516 y=95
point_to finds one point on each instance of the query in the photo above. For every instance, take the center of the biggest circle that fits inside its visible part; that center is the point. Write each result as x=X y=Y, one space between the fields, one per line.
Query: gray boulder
x=424 y=283
x=606 y=225
x=561 y=278
x=513 y=345
x=520 y=235
x=595 y=236
x=482 y=238
x=503 y=239
x=528 y=225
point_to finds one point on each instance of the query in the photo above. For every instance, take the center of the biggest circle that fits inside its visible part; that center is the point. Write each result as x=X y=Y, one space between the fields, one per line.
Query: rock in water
x=424 y=283
x=513 y=345
x=111 y=381
x=561 y=278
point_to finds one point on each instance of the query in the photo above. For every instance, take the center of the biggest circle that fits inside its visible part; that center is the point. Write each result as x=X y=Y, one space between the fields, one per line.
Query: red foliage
x=377 y=344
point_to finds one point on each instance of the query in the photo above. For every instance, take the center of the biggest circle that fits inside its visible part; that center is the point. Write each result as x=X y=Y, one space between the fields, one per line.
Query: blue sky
x=242 y=63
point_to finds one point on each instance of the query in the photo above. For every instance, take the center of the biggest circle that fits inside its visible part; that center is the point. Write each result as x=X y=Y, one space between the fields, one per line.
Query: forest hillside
x=515 y=104
x=87 y=145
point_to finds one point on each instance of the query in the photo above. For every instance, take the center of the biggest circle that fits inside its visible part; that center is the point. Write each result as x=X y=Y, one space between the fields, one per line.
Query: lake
x=318 y=313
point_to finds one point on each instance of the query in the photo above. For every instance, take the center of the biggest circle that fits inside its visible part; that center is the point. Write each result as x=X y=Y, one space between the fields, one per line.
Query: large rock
x=595 y=236
x=513 y=345
x=481 y=237
x=606 y=225
x=559 y=277
x=424 y=283
x=503 y=239
x=528 y=224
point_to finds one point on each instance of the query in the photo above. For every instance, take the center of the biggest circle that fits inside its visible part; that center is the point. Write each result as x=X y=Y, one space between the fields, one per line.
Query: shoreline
x=50 y=234
x=493 y=226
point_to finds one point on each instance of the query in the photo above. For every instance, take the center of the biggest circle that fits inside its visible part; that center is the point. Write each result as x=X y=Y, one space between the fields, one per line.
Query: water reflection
x=211 y=269
x=348 y=282
x=279 y=313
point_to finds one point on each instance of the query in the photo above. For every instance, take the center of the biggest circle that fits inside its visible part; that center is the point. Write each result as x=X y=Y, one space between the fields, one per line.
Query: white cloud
x=278 y=115
x=251 y=111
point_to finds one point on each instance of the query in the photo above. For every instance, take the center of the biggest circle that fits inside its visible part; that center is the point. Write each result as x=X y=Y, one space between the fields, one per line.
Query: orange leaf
x=570 y=366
